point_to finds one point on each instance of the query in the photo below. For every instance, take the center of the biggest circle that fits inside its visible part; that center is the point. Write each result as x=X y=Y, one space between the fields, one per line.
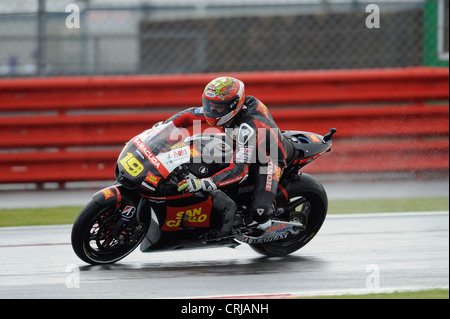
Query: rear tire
x=312 y=213
x=101 y=236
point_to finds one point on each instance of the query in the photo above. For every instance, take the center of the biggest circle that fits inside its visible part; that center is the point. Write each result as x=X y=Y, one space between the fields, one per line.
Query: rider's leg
x=267 y=178
x=227 y=208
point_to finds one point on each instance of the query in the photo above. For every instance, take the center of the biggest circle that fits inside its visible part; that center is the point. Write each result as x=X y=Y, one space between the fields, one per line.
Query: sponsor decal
x=246 y=189
x=147 y=186
x=314 y=138
x=108 y=193
x=179 y=152
x=263 y=109
x=194 y=151
x=244 y=154
x=230 y=181
x=152 y=179
x=286 y=229
x=273 y=173
x=252 y=240
x=144 y=149
x=150 y=156
x=269 y=180
x=192 y=216
x=277 y=174
x=179 y=155
x=276 y=227
x=128 y=212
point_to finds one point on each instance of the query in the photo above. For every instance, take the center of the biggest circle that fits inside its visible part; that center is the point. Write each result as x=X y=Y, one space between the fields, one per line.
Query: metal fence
x=102 y=37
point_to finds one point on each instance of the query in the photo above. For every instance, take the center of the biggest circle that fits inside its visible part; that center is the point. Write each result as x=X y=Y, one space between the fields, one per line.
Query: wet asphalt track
x=367 y=253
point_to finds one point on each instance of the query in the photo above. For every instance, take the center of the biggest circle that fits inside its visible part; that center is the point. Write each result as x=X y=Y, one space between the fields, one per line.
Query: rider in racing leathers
x=259 y=146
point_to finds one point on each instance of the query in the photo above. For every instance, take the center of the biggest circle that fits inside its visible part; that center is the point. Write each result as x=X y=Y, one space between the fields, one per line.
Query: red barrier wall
x=384 y=118
x=274 y=88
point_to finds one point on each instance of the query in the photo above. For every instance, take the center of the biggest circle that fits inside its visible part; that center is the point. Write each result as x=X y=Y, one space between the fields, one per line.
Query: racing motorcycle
x=144 y=207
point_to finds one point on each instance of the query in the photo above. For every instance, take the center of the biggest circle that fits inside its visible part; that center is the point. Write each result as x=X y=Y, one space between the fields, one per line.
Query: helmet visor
x=217 y=109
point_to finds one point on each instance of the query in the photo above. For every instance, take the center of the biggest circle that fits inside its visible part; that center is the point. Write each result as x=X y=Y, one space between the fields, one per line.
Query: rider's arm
x=187 y=117
x=255 y=142
x=235 y=173
x=244 y=154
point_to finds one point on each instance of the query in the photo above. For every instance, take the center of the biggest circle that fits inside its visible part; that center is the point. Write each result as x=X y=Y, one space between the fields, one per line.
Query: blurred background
x=80 y=78
x=197 y=36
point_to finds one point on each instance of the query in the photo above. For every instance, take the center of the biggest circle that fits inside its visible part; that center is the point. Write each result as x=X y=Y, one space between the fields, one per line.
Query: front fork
x=128 y=204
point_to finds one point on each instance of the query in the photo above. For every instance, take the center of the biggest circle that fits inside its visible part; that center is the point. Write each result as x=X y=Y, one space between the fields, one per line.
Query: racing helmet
x=223 y=99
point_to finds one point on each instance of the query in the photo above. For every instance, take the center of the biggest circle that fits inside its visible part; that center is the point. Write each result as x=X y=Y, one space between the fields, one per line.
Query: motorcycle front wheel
x=101 y=235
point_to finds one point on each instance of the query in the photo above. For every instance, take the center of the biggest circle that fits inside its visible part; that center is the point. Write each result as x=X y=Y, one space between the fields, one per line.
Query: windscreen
x=164 y=147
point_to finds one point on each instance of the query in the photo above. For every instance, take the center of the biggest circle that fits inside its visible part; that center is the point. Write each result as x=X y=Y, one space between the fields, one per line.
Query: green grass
x=38 y=216
x=67 y=215
x=388 y=205
x=425 y=294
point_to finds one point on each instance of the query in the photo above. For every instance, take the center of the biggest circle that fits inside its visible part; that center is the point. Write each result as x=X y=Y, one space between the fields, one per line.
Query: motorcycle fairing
x=307 y=145
x=108 y=195
x=114 y=195
x=153 y=235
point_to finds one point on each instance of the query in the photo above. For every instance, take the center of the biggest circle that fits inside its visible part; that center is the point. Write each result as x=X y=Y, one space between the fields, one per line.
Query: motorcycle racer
x=260 y=149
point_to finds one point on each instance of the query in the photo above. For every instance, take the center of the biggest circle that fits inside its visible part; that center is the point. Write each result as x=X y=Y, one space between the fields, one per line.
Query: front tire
x=100 y=235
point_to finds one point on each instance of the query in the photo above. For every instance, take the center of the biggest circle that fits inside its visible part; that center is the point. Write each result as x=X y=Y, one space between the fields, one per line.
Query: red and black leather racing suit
x=260 y=151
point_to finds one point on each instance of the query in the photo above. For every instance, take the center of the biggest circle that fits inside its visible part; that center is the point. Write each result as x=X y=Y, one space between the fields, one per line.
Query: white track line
x=388 y=214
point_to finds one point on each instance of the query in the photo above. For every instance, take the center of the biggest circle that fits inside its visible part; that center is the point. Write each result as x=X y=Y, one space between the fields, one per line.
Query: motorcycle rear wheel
x=314 y=209
x=101 y=236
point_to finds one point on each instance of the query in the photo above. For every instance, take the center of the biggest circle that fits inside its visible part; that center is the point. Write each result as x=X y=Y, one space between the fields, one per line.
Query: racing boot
x=257 y=229
x=259 y=221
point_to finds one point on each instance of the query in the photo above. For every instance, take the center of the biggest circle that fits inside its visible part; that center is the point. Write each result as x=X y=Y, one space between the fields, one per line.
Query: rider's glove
x=195 y=185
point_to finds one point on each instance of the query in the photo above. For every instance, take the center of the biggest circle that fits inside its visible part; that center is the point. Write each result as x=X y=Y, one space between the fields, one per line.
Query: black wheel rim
x=104 y=243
